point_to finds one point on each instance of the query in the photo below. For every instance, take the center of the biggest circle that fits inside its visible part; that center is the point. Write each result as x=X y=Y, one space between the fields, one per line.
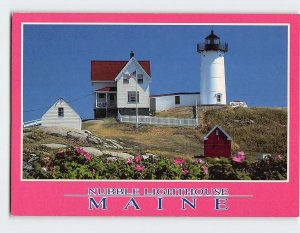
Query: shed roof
x=177 y=93
x=213 y=129
x=108 y=70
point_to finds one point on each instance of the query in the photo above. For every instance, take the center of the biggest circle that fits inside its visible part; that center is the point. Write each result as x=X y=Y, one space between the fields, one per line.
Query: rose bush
x=75 y=163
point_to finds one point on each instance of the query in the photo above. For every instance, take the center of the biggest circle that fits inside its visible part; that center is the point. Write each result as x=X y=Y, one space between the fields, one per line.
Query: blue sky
x=57 y=61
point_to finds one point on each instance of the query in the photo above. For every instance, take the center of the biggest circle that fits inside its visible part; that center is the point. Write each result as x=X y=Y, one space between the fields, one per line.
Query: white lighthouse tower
x=212 y=73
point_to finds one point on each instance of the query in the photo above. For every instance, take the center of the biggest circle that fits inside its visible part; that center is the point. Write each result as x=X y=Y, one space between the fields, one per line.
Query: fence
x=159 y=120
x=32 y=123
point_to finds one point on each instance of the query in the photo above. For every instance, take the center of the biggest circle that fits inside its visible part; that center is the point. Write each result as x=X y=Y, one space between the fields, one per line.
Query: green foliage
x=256 y=130
x=75 y=163
x=270 y=168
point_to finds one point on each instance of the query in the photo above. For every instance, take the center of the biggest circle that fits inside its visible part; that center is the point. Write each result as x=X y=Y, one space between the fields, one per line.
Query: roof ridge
x=116 y=60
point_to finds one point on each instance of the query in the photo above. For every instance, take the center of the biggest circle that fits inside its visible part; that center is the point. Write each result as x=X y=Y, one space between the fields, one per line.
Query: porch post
x=106 y=104
x=96 y=101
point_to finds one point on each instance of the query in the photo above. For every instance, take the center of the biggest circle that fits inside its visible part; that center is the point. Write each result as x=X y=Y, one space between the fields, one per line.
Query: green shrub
x=75 y=163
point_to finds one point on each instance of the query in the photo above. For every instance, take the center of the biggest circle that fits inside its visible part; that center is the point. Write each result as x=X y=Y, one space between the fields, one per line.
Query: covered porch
x=105 y=102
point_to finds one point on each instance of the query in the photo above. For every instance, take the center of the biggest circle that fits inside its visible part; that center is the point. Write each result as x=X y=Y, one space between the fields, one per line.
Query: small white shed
x=61 y=114
x=164 y=102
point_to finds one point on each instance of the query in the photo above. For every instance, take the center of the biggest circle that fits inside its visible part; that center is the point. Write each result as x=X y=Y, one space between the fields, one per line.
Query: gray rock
x=95 y=140
x=93 y=151
x=27 y=167
x=56 y=131
x=145 y=156
x=149 y=155
x=54 y=146
x=109 y=146
x=112 y=158
x=111 y=140
x=79 y=135
x=27 y=134
x=118 y=154
x=87 y=132
x=31 y=160
x=115 y=144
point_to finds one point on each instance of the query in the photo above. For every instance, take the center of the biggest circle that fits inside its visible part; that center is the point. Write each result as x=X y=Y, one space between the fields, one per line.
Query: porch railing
x=159 y=120
x=103 y=105
x=32 y=123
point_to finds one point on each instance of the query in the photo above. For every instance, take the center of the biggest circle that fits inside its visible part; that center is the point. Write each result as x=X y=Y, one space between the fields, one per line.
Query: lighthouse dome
x=212 y=36
x=212 y=43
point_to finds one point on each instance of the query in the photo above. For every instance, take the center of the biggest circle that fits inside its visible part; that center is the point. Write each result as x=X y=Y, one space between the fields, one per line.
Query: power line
x=79 y=98
x=70 y=101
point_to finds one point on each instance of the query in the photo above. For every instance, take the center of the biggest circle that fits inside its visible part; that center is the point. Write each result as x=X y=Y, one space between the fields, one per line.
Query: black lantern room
x=212 y=43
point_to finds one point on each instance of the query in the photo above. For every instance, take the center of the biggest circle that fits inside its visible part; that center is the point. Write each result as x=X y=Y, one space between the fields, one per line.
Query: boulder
x=55 y=131
x=149 y=155
x=118 y=154
x=27 y=167
x=94 y=139
x=93 y=151
x=54 y=146
x=115 y=144
x=112 y=158
x=32 y=159
x=78 y=135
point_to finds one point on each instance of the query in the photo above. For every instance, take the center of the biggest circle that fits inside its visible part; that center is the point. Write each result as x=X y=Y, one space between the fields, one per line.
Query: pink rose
x=137 y=158
x=184 y=172
x=87 y=156
x=239 y=157
x=278 y=157
x=200 y=161
x=205 y=169
x=79 y=150
x=130 y=160
x=178 y=161
x=139 y=168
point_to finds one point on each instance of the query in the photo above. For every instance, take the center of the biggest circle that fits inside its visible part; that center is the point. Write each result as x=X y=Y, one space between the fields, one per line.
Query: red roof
x=108 y=70
x=107 y=89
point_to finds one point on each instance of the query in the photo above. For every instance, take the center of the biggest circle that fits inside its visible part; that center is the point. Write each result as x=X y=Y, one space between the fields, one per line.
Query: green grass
x=165 y=141
x=268 y=133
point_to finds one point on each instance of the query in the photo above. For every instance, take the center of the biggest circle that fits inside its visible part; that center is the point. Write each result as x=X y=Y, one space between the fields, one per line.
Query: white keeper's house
x=121 y=86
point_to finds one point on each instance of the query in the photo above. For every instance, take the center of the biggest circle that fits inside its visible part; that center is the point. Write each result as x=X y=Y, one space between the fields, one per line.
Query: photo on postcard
x=155 y=101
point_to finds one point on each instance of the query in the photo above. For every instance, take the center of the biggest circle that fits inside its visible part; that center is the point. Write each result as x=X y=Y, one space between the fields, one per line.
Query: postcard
x=155 y=115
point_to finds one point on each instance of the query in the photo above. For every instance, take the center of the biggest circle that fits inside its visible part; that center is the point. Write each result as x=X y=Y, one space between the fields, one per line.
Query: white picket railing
x=32 y=123
x=159 y=120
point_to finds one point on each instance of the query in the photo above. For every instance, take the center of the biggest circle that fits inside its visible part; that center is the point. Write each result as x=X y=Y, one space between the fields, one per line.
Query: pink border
x=47 y=198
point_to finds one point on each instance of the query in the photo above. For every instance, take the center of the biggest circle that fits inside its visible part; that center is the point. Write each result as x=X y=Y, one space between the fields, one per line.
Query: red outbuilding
x=217 y=143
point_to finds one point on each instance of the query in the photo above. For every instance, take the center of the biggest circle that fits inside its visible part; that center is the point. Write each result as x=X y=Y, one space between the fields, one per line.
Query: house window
x=61 y=112
x=125 y=80
x=177 y=99
x=140 y=79
x=219 y=98
x=101 y=96
x=132 y=97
